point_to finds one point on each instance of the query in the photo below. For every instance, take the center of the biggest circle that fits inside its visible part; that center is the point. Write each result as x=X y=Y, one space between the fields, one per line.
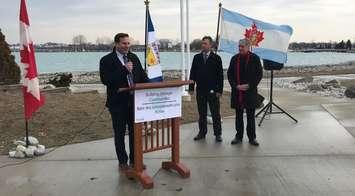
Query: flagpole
x=209 y=115
x=146 y=2
x=182 y=29
x=188 y=38
x=27 y=141
x=218 y=24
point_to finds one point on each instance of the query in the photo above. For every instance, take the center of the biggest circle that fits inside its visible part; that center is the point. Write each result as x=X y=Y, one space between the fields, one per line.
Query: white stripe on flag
x=273 y=39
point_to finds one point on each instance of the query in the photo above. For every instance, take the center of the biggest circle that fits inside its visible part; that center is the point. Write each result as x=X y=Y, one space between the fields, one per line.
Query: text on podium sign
x=157 y=104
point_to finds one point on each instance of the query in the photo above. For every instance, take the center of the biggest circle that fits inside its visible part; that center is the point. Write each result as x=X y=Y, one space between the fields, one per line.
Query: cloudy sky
x=60 y=20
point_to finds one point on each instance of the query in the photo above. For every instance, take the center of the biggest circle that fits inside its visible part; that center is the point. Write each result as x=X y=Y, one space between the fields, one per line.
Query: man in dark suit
x=207 y=73
x=119 y=69
x=244 y=75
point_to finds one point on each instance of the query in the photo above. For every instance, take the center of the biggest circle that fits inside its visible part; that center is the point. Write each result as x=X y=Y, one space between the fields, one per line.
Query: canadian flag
x=33 y=99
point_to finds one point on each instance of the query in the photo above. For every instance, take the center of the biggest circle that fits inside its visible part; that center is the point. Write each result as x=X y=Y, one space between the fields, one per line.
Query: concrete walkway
x=313 y=157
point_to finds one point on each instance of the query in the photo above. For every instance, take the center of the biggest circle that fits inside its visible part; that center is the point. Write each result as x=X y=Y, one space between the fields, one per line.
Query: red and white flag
x=33 y=99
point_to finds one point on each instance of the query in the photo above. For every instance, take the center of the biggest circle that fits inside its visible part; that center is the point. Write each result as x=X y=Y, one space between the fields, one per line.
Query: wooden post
x=175 y=164
x=138 y=172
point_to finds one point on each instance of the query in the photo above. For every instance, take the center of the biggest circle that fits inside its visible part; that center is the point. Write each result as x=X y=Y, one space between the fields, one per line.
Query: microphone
x=129 y=76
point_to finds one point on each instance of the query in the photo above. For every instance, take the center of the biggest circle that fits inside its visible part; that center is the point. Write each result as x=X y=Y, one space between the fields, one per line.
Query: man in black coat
x=119 y=69
x=244 y=74
x=207 y=73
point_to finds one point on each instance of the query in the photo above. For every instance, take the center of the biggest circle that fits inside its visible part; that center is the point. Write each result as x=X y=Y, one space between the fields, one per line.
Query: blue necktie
x=205 y=57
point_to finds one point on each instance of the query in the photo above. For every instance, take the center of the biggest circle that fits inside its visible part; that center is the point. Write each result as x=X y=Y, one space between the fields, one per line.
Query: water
x=89 y=61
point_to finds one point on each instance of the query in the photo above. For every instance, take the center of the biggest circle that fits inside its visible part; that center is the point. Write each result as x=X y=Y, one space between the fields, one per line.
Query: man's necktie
x=205 y=57
x=125 y=59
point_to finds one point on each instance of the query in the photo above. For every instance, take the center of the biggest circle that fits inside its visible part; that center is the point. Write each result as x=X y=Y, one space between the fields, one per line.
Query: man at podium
x=120 y=69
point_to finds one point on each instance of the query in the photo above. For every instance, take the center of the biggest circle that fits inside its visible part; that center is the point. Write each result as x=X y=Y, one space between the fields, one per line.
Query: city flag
x=153 y=61
x=33 y=99
x=269 y=41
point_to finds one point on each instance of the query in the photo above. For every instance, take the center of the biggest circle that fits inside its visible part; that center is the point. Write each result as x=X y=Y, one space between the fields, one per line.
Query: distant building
x=134 y=42
x=165 y=44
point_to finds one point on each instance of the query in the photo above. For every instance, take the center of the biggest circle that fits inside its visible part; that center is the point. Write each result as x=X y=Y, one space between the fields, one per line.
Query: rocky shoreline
x=344 y=68
x=322 y=80
x=329 y=86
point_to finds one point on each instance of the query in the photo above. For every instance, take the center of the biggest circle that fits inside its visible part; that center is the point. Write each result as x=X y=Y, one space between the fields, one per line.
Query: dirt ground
x=69 y=118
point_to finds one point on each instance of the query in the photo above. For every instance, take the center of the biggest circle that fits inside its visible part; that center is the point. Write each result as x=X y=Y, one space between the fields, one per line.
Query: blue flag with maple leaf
x=269 y=41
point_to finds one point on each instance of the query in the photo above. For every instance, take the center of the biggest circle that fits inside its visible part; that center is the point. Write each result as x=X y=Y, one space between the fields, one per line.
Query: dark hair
x=209 y=38
x=118 y=37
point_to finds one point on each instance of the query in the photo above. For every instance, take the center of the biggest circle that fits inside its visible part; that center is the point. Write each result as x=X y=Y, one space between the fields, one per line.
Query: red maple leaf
x=254 y=35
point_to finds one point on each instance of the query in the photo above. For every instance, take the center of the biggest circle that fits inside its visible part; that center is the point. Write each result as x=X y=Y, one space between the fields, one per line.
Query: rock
x=333 y=82
x=12 y=154
x=315 y=87
x=49 y=86
x=307 y=79
x=19 y=154
x=29 y=152
x=61 y=80
x=20 y=148
x=41 y=150
x=350 y=92
x=32 y=140
x=34 y=148
x=324 y=86
x=19 y=142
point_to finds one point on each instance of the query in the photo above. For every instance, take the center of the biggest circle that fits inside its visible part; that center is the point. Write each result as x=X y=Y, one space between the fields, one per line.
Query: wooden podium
x=156 y=126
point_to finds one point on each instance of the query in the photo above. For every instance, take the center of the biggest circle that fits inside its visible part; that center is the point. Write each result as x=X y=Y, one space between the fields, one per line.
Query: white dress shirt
x=120 y=57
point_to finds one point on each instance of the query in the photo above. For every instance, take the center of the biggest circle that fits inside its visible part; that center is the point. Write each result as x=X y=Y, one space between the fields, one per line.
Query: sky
x=60 y=20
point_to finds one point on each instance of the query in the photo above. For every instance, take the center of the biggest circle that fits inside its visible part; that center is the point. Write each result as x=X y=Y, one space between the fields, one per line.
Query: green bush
x=10 y=72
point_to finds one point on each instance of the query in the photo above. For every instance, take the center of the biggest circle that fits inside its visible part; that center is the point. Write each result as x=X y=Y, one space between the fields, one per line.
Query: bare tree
x=80 y=41
x=104 y=40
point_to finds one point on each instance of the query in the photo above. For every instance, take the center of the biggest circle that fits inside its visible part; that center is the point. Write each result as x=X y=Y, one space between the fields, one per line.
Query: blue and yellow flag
x=154 y=69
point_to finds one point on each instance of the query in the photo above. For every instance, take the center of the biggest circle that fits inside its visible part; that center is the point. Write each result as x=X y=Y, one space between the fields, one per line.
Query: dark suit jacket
x=114 y=75
x=207 y=76
x=251 y=74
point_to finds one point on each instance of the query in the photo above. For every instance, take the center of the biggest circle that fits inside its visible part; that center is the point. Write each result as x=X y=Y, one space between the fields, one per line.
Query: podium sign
x=157 y=104
x=157 y=114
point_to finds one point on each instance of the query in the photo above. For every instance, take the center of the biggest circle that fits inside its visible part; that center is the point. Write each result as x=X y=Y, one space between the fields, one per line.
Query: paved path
x=313 y=157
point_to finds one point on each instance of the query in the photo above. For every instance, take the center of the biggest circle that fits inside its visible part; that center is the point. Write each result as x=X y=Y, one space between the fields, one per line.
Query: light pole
x=188 y=37
x=182 y=29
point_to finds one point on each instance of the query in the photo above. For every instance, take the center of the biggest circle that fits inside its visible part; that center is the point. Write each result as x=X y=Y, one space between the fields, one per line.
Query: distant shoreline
x=193 y=51
x=92 y=77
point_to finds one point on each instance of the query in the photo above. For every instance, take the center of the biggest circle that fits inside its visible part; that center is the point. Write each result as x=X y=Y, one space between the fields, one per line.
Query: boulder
x=41 y=150
x=315 y=87
x=12 y=154
x=20 y=148
x=19 y=142
x=19 y=154
x=32 y=140
x=49 y=86
x=350 y=92
x=307 y=79
x=332 y=82
x=61 y=80
x=324 y=86
x=29 y=152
